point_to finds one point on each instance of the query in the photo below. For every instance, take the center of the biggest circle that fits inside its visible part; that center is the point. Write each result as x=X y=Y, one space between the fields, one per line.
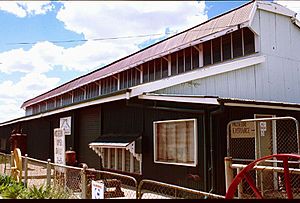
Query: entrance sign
x=263 y=128
x=97 y=190
x=243 y=129
x=59 y=146
x=65 y=124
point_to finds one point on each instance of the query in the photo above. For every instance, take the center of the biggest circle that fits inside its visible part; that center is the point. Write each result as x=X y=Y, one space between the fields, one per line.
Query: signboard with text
x=65 y=124
x=243 y=129
x=97 y=190
x=59 y=146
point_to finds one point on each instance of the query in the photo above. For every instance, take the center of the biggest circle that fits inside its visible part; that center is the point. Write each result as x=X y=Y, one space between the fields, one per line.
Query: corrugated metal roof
x=172 y=44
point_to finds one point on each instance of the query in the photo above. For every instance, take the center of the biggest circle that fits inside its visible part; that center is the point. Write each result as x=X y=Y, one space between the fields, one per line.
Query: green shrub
x=11 y=189
x=6 y=180
x=43 y=192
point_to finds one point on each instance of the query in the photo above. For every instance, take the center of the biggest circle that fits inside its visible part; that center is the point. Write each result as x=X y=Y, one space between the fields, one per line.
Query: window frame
x=195 y=163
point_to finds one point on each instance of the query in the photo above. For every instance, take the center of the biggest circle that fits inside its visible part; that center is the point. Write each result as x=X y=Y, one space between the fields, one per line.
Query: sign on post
x=59 y=146
x=65 y=124
x=98 y=190
x=263 y=128
x=243 y=129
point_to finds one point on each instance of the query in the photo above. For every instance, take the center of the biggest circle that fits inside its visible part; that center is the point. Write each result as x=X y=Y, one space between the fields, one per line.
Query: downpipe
x=217 y=111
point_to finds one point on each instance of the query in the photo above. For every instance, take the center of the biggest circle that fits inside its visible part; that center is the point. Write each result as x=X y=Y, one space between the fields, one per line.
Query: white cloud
x=96 y=19
x=38 y=59
x=24 y=8
x=10 y=109
x=46 y=56
x=293 y=5
x=12 y=95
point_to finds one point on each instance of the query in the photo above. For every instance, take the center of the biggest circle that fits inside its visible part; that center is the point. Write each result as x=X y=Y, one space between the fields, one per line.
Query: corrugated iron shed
x=169 y=45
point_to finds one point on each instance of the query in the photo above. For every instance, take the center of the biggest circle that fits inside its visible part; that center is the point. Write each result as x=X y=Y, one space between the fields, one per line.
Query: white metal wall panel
x=232 y=92
x=221 y=82
x=283 y=41
x=291 y=80
x=267 y=32
x=295 y=42
x=245 y=83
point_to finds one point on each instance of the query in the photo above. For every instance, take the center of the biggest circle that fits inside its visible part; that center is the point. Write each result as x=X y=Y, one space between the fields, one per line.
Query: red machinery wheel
x=244 y=174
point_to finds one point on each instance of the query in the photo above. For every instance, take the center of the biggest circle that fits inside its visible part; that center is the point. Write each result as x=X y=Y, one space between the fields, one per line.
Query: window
x=58 y=101
x=78 y=94
x=207 y=53
x=237 y=43
x=43 y=107
x=136 y=76
x=92 y=90
x=119 y=159
x=158 y=69
x=174 y=64
x=195 y=56
x=226 y=47
x=145 y=72
x=66 y=99
x=50 y=104
x=2 y=143
x=180 y=62
x=187 y=58
x=164 y=68
x=216 y=47
x=175 y=142
x=248 y=41
x=129 y=75
x=151 y=71
x=123 y=80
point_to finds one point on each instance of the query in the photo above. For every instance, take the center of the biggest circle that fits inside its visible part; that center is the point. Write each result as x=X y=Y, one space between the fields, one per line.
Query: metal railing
x=268 y=180
x=76 y=181
x=249 y=139
x=150 y=189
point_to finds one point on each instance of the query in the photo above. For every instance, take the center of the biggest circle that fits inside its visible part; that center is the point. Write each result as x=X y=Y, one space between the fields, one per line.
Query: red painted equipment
x=71 y=158
x=289 y=191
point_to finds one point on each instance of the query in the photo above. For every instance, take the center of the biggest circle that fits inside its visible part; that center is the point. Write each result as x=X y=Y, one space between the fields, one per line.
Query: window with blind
x=175 y=142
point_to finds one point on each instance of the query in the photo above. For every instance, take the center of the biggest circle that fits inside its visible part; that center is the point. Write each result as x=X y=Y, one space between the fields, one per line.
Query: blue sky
x=27 y=70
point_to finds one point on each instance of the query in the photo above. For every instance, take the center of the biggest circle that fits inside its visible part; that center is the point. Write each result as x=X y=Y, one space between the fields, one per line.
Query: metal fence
x=117 y=186
x=149 y=189
x=76 y=181
x=5 y=160
x=262 y=180
x=250 y=139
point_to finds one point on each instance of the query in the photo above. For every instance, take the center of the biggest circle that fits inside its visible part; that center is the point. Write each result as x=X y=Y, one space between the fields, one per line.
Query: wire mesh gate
x=251 y=139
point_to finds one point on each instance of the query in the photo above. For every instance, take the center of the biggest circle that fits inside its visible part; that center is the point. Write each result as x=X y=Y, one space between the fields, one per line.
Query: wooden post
x=123 y=159
x=116 y=159
x=228 y=171
x=25 y=169
x=240 y=186
x=48 y=172
x=83 y=182
x=131 y=163
x=11 y=162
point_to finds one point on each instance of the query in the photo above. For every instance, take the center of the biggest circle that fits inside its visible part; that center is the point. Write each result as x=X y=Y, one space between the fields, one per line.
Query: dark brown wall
x=87 y=129
x=119 y=118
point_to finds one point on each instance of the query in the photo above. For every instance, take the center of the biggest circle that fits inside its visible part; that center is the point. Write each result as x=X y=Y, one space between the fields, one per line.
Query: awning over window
x=131 y=142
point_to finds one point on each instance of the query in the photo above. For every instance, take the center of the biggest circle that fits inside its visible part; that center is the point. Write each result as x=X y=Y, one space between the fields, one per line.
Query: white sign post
x=97 y=190
x=263 y=128
x=65 y=124
x=59 y=146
